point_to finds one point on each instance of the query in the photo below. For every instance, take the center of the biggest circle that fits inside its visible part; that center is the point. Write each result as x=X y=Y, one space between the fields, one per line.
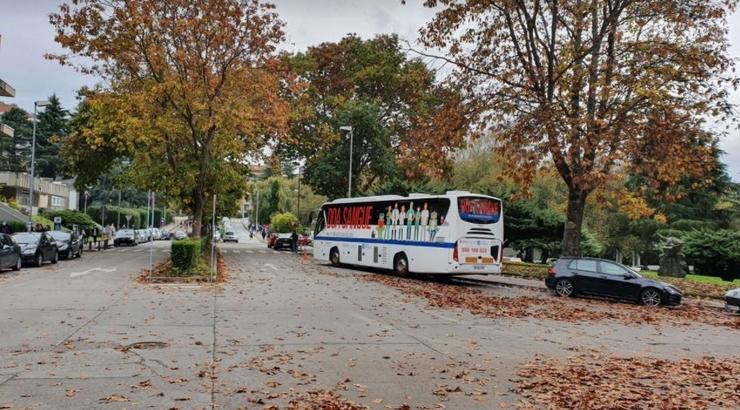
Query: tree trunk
x=573 y=222
x=199 y=199
x=198 y=202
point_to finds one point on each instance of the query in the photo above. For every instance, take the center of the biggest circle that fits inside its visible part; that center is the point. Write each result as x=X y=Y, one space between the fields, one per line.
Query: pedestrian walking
x=6 y=229
x=294 y=241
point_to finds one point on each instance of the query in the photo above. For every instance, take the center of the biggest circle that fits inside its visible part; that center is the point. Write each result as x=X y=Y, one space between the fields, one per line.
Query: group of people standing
x=412 y=224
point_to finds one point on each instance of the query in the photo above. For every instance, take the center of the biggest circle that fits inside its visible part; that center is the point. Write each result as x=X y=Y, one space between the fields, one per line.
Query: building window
x=57 y=201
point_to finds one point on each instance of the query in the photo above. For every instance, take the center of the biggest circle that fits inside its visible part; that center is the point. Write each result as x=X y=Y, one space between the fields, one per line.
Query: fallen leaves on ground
x=322 y=399
x=70 y=392
x=596 y=381
x=456 y=296
x=163 y=273
x=114 y=398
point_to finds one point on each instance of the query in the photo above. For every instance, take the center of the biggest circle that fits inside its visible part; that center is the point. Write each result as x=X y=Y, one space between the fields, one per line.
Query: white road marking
x=91 y=270
x=262 y=251
x=269 y=265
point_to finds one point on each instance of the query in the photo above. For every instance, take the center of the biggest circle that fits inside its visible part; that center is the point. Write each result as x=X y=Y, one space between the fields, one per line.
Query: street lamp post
x=118 y=220
x=349 y=185
x=298 y=212
x=36 y=105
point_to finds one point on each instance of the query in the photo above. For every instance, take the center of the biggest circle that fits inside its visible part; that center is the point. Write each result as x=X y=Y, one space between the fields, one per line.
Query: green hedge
x=185 y=254
x=714 y=253
x=17 y=226
x=70 y=218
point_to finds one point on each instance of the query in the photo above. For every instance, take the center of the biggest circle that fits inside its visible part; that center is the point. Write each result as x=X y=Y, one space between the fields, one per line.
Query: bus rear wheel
x=334 y=257
x=401 y=265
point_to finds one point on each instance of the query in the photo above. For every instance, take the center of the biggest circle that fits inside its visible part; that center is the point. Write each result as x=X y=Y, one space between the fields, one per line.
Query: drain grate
x=146 y=345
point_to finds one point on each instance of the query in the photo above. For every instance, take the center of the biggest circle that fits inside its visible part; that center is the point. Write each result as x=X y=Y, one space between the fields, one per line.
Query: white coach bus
x=458 y=233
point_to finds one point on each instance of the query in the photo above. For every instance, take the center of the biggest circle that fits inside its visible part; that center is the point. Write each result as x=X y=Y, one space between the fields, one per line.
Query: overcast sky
x=27 y=36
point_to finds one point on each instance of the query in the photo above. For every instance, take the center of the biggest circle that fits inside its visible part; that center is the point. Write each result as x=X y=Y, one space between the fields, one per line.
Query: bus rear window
x=479 y=210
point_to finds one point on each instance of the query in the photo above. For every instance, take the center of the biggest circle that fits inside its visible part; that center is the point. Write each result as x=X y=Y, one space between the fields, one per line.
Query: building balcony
x=6 y=90
x=6 y=131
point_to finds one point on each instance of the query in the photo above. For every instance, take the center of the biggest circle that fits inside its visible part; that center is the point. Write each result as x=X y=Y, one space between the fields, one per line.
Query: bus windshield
x=479 y=210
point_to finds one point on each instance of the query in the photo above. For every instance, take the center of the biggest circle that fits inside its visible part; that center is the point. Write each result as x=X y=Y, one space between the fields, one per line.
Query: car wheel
x=55 y=259
x=39 y=259
x=401 y=265
x=650 y=297
x=564 y=287
x=18 y=264
x=334 y=257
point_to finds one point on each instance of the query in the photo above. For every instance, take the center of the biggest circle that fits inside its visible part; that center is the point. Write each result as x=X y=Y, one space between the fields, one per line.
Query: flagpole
x=149 y=219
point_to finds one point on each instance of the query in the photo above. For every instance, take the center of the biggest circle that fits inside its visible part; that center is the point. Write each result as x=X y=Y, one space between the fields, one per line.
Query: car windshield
x=230 y=233
x=125 y=232
x=27 y=238
x=59 y=235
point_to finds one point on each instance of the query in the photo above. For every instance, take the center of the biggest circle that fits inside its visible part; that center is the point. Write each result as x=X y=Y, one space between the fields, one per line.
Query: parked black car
x=69 y=244
x=10 y=253
x=37 y=247
x=599 y=277
x=732 y=300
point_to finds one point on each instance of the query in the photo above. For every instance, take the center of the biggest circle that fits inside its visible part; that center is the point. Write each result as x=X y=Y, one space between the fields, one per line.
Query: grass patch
x=525 y=270
x=712 y=280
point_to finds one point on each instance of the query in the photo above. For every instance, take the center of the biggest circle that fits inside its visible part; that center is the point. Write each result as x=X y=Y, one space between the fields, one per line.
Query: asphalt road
x=82 y=334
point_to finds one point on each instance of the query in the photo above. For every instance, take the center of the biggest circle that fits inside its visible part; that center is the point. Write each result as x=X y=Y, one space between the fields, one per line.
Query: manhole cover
x=146 y=345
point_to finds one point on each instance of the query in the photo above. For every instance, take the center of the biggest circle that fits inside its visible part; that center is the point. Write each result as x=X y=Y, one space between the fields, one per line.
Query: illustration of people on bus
x=424 y=221
x=401 y=222
x=433 y=226
x=409 y=221
x=381 y=225
x=417 y=220
x=394 y=221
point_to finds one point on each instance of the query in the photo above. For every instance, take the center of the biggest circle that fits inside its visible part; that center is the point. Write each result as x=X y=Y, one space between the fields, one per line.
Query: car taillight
x=454 y=252
x=551 y=271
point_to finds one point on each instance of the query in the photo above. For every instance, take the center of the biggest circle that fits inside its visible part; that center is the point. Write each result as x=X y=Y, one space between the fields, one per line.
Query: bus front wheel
x=334 y=257
x=401 y=265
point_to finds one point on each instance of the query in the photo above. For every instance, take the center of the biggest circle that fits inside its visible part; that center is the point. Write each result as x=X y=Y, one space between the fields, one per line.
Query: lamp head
x=346 y=128
x=42 y=103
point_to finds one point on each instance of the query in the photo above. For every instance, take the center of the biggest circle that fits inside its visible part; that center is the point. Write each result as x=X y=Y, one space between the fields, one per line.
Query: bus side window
x=319 y=223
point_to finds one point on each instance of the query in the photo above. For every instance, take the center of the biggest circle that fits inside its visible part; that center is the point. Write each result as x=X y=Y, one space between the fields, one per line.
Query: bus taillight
x=454 y=252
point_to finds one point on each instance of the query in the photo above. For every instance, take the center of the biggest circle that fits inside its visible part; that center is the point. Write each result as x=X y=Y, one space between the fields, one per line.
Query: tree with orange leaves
x=192 y=89
x=598 y=87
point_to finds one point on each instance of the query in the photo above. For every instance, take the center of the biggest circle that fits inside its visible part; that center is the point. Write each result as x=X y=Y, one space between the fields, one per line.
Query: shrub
x=47 y=223
x=185 y=254
x=285 y=223
x=17 y=226
x=70 y=218
x=714 y=253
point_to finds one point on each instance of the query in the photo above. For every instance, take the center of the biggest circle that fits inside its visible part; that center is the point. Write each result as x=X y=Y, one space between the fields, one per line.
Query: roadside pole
x=149 y=218
x=257 y=209
x=214 y=260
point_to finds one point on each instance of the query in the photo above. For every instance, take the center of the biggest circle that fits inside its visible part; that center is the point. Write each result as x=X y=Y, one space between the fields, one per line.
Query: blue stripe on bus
x=387 y=242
